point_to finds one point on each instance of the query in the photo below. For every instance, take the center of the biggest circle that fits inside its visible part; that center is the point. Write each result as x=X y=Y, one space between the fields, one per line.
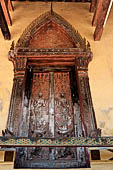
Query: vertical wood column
x=83 y=103
x=84 y=113
x=25 y=111
x=93 y=5
x=101 y=19
x=15 y=109
x=4 y=26
x=86 y=104
x=4 y=5
x=51 y=105
x=97 y=12
x=81 y=107
x=15 y=105
x=10 y=5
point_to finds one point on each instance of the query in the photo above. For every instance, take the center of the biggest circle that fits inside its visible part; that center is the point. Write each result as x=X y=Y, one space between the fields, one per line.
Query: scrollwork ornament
x=95 y=133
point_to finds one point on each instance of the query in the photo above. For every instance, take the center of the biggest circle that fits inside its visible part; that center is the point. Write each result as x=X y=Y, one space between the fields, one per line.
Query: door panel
x=51 y=110
x=63 y=105
x=39 y=116
x=53 y=114
x=39 y=106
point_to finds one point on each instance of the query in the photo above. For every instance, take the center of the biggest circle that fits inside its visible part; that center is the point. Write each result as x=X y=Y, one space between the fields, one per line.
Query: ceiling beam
x=4 y=26
x=4 y=4
x=110 y=5
x=93 y=5
x=97 y=12
x=10 y=5
x=101 y=19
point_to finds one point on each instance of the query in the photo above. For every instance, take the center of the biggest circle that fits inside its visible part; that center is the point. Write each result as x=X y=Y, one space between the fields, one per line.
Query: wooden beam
x=110 y=5
x=10 y=5
x=93 y=5
x=4 y=4
x=99 y=28
x=56 y=142
x=4 y=26
x=97 y=12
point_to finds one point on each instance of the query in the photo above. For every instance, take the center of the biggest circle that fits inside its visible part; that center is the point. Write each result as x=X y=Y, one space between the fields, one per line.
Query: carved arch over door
x=51 y=25
x=51 y=94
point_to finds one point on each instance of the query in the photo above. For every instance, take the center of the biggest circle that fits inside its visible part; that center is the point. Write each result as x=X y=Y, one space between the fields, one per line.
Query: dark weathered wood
x=8 y=157
x=4 y=4
x=97 y=12
x=93 y=5
x=4 y=26
x=81 y=0
x=95 y=154
x=54 y=103
x=99 y=28
x=10 y=5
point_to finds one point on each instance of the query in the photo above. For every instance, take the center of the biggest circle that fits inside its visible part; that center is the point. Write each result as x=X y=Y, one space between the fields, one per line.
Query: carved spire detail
x=52 y=9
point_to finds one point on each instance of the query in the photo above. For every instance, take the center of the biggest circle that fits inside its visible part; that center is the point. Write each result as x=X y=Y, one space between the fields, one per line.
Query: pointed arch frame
x=22 y=56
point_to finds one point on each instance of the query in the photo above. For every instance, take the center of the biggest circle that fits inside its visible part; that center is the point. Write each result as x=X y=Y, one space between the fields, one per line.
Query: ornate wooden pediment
x=50 y=30
x=50 y=37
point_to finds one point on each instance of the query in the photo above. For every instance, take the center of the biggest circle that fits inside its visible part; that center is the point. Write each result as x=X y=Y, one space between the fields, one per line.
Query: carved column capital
x=19 y=62
x=83 y=61
x=82 y=73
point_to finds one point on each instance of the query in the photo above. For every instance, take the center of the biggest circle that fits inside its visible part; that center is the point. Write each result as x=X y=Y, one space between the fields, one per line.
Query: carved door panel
x=63 y=110
x=51 y=108
x=39 y=106
x=53 y=114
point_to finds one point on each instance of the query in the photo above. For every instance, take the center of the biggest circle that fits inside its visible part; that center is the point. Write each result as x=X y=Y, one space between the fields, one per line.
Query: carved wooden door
x=53 y=114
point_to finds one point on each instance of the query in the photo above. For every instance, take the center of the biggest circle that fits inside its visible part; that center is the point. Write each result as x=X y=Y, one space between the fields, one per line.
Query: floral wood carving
x=49 y=21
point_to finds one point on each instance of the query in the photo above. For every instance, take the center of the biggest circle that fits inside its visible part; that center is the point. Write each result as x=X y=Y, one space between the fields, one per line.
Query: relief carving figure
x=65 y=152
x=63 y=118
x=38 y=117
x=38 y=153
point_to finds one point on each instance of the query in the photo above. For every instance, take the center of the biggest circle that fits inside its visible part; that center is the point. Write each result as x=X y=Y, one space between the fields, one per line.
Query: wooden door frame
x=21 y=57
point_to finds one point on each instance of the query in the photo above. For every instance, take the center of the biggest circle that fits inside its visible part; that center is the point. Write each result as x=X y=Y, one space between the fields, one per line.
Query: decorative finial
x=11 y=53
x=88 y=46
x=12 y=45
x=51 y=8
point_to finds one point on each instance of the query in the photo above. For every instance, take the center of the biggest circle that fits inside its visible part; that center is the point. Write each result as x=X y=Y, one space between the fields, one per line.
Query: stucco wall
x=100 y=69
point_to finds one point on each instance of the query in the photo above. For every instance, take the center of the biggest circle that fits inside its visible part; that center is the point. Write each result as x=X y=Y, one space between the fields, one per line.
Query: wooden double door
x=53 y=112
